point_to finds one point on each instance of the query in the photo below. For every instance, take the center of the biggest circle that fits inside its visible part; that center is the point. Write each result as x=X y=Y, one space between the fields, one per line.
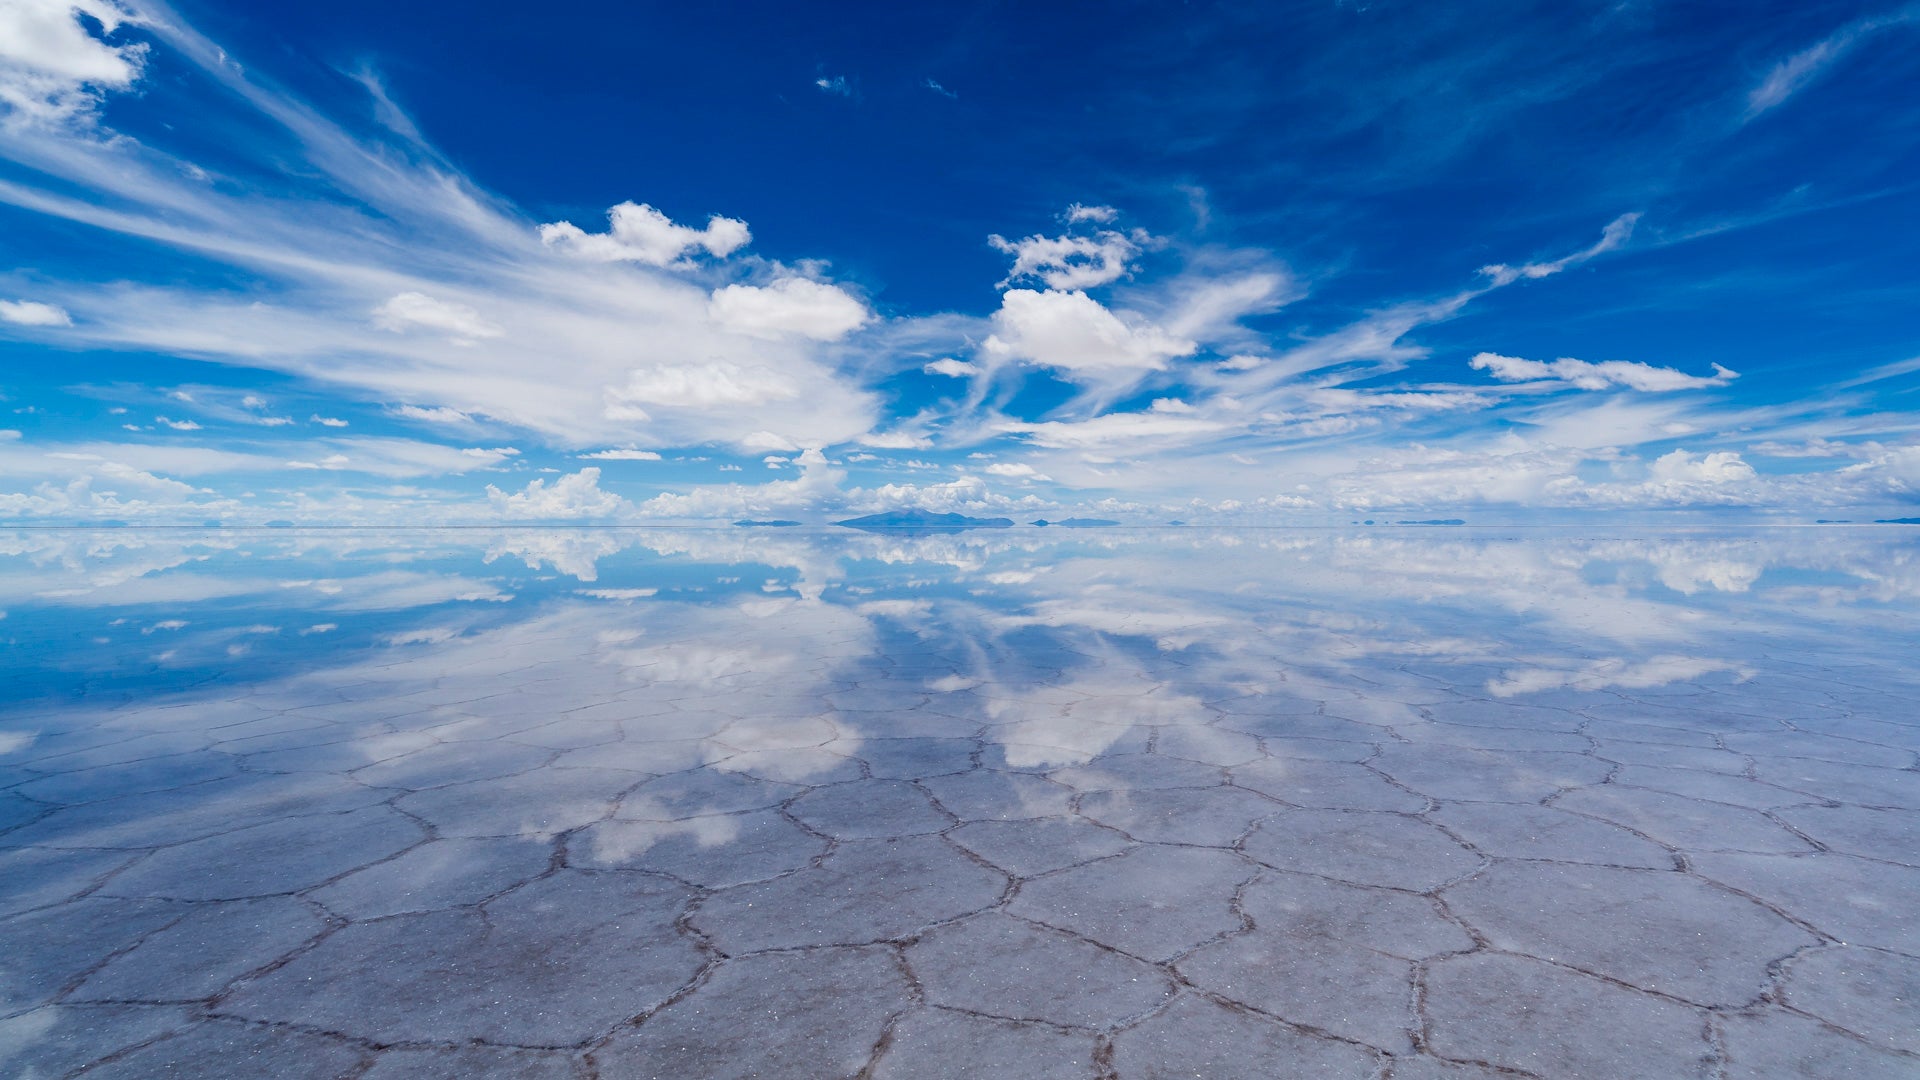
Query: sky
x=1261 y=263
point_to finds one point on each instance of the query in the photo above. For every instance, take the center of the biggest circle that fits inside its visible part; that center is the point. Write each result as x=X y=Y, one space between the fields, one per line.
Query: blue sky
x=1228 y=263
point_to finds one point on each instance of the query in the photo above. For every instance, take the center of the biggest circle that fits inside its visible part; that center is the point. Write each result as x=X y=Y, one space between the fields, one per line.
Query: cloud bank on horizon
x=1241 y=278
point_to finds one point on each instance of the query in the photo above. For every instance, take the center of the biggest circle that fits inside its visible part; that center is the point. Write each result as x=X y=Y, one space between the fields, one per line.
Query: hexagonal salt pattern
x=881 y=830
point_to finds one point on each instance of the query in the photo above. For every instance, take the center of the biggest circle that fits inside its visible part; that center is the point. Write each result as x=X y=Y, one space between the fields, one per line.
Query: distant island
x=924 y=521
x=1077 y=523
x=1896 y=521
x=777 y=523
x=1432 y=521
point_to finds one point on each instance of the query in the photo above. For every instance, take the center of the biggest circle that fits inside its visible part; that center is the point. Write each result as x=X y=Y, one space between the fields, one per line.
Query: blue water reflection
x=1340 y=791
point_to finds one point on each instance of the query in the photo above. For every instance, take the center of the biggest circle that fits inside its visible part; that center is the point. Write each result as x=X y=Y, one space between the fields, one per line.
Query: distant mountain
x=1896 y=521
x=924 y=520
x=1078 y=523
x=777 y=523
x=1431 y=521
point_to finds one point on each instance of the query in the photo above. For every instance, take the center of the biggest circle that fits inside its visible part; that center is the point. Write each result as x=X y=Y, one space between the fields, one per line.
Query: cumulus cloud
x=1598 y=376
x=809 y=309
x=963 y=495
x=622 y=454
x=817 y=485
x=1683 y=477
x=1074 y=332
x=577 y=495
x=1516 y=473
x=30 y=312
x=1068 y=262
x=1016 y=471
x=410 y=310
x=948 y=366
x=1079 y=212
x=52 y=69
x=638 y=233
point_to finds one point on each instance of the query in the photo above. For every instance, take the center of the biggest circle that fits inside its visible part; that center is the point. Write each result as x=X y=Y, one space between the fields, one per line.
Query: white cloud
x=617 y=594
x=333 y=462
x=327 y=421
x=408 y=310
x=1680 y=476
x=1068 y=262
x=1612 y=672
x=818 y=484
x=1115 y=428
x=794 y=305
x=1615 y=235
x=52 y=69
x=1079 y=212
x=316 y=269
x=1208 y=303
x=622 y=454
x=398 y=458
x=896 y=440
x=31 y=312
x=1598 y=376
x=702 y=386
x=1072 y=331
x=1796 y=72
x=637 y=232
x=964 y=495
x=1882 y=372
x=1016 y=470
x=177 y=425
x=837 y=85
x=436 y=415
x=577 y=495
x=958 y=369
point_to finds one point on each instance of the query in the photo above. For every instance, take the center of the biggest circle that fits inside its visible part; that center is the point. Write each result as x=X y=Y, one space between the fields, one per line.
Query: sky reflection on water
x=143 y=612
x=1175 y=799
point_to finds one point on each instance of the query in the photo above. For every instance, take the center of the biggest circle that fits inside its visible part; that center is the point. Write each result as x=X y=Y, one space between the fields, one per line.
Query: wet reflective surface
x=1419 y=803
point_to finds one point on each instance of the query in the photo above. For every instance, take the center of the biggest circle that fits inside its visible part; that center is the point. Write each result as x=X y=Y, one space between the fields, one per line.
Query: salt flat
x=1409 y=803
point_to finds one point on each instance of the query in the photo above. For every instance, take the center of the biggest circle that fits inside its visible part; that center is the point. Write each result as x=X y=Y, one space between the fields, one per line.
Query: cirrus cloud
x=1584 y=375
